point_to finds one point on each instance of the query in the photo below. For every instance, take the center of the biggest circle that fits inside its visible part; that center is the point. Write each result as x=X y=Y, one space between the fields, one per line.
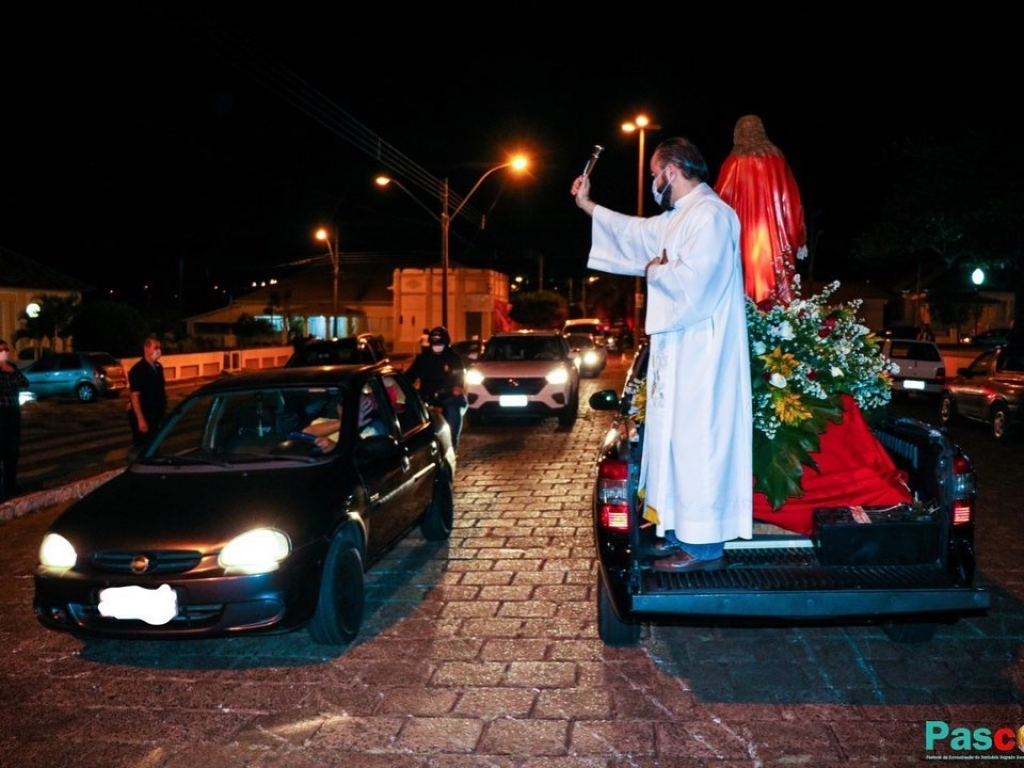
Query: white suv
x=921 y=366
x=524 y=373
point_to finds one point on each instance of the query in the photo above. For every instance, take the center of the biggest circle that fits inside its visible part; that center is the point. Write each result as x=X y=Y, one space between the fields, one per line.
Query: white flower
x=786 y=331
x=836 y=373
x=778 y=380
x=759 y=348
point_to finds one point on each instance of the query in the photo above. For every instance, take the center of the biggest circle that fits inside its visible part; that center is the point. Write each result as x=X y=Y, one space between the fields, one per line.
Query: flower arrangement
x=804 y=356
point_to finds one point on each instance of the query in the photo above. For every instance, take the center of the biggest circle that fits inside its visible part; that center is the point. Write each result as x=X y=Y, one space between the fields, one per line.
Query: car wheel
x=567 y=417
x=1000 y=423
x=947 y=410
x=610 y=627
x=436 y=524
x=86 y=392
x=339 y=608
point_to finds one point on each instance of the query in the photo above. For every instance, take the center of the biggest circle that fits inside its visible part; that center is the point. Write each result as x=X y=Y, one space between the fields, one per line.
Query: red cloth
x=763 y=192
x=855 y=470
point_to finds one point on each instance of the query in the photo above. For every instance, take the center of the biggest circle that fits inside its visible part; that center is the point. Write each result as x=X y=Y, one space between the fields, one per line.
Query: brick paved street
x=484 y=652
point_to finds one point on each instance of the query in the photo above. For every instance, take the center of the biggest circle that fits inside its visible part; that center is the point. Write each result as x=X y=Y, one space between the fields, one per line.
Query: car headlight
x=256 y=551
x=557 y=376
x=474 y=377
x=57 y=552
x=590 y=357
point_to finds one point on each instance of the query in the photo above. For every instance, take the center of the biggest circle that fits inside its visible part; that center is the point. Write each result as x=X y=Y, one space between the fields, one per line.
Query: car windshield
x=580 y=340
x=336 y=352
x=226 y=428
x=523 y=348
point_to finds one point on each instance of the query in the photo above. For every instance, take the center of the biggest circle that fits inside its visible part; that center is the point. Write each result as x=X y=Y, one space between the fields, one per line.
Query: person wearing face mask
x=12 y=381
x=147 y=403
x=439 y=374
x=697 y=468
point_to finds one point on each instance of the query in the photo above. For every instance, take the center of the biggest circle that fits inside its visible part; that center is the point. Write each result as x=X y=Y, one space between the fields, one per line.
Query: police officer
x=439 y=375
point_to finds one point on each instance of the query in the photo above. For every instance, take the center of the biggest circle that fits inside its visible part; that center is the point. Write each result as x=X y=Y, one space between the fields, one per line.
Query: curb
x=30 y=502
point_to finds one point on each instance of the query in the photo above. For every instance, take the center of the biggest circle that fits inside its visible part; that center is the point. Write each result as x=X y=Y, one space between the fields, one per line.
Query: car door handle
x=406 y=464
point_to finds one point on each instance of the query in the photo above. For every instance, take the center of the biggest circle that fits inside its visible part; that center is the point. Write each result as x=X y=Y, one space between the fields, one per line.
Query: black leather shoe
x=682 y=562
x=661 y=548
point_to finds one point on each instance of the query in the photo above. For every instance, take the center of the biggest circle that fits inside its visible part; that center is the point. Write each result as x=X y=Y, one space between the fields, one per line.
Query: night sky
x=152 y=151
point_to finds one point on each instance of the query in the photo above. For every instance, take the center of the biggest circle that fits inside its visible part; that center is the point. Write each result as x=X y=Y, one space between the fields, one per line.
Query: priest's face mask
x=662 y=196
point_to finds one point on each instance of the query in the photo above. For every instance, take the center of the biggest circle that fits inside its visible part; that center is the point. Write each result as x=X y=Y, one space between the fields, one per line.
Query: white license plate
x=153 y=606
x=512 y=401
x=913 y=384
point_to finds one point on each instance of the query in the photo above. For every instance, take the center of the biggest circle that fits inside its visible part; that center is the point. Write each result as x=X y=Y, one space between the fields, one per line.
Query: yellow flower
x=790 y=408
x=777 y=361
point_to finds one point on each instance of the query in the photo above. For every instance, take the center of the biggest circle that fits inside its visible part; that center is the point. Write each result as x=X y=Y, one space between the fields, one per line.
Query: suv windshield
x=524 y=348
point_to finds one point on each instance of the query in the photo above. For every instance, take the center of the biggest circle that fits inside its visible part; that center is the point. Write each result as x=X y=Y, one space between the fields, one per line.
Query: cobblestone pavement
x=484 y=652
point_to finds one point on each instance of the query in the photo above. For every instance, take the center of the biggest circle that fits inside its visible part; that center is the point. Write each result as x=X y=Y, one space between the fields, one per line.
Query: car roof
x=323 y=375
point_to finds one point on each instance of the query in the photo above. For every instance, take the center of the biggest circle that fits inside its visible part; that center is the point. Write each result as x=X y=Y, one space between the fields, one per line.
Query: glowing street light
x=517 y=163
x=639 y=125
x=332 y=250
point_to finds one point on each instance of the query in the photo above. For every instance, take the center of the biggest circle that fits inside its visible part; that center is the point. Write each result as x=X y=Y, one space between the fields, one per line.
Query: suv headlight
x=474 y=377
x=559 y=375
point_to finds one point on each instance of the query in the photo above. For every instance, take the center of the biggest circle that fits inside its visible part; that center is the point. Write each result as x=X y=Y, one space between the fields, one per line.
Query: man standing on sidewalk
x=148 y=393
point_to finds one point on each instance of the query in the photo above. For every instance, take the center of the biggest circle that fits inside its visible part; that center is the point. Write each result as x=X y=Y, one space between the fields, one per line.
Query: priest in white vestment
x=696 y=472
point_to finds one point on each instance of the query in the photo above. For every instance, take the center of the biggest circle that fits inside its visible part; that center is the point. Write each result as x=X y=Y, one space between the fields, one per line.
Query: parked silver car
x=85 y=375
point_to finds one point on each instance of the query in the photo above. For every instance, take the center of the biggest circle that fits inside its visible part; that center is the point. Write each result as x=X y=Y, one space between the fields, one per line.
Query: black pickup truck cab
x=908 y=572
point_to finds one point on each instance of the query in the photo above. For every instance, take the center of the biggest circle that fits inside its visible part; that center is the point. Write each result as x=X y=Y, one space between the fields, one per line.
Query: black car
x=364 y=348
x=989 y=391
x=235 y=520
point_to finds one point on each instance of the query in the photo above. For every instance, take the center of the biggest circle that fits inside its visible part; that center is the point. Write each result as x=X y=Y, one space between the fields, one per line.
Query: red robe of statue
x=757 y=182
x=853 y=467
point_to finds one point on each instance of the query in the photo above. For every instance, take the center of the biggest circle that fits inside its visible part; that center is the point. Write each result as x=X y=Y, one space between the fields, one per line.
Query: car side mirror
x=604 y=400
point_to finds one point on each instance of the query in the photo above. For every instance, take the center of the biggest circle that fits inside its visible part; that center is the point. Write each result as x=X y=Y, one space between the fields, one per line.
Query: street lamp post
x=332 y=250
x=639 y=125
x=518 y=163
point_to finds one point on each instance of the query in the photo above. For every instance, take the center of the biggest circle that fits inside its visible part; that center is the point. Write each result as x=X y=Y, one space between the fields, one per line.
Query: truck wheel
x=1000 y=423
x=611 y=628
x=909 y=633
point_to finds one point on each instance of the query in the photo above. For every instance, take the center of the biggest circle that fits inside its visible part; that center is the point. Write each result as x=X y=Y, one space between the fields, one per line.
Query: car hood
x=203 y=510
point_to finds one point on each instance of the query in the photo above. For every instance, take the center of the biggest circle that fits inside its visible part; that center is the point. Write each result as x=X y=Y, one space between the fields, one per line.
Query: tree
x=250 y=330
x=951 y=205
x=539 y=309
x=52 y=322
x=109 y=326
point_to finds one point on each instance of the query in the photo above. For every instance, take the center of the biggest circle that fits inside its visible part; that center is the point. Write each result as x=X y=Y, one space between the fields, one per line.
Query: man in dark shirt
x=438 y=373
x=11 y=382
x=148 y=394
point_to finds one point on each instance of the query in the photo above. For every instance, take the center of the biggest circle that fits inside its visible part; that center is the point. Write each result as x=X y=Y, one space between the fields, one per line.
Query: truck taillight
x=612 y=496
x=964 y=489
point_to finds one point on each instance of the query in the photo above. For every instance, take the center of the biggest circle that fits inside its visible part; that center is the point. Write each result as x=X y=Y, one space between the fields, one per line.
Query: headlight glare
x=57 y=552
x=557 y=376
x=474 y=377
x=256 y=551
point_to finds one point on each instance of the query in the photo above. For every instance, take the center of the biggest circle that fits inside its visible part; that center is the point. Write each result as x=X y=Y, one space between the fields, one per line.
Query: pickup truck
x=908 y=572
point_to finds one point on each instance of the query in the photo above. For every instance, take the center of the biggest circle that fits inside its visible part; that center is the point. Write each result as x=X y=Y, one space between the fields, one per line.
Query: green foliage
x=539 y=309
x=109 y=326
x=249 y=329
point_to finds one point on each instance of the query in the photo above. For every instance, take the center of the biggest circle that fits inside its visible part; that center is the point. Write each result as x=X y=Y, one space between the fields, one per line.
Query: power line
x=252 y=61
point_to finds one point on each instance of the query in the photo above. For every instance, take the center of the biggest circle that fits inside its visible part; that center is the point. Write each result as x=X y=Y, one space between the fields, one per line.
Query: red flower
x=766 y=305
